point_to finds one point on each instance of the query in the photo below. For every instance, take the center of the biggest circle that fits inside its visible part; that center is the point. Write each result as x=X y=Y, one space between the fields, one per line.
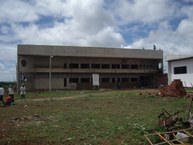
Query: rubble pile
x=176 y=89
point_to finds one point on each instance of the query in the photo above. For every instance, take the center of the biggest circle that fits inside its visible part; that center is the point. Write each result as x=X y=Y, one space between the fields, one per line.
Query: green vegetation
x=85 y=117
x=189 y=90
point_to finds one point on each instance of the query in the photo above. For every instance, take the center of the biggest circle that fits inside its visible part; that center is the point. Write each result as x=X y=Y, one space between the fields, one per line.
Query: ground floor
x=58 y=81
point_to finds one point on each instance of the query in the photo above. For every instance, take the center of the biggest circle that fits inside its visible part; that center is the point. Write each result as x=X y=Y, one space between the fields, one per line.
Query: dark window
x=85 y=80
x=115 y=66
x=180 y=70
x=134 y=80
x=65 y=65
x=125 y=80
x=65 y=82
x=125 y=66
x=105 y=80
x=23 y=62
x=74 y=80
x=144 y=66
x=85 y=66
x=105 y=65
x=95 y=65
x=134 y=66
x=113 y=80
x=74 y=65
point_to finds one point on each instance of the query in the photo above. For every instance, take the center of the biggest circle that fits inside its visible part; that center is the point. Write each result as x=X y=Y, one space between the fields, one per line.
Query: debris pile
x=173 y=121
x=176 y=89
x=178 y=130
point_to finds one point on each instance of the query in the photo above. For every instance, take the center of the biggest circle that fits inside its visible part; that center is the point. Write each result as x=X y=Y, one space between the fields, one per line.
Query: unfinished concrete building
x=43 y=67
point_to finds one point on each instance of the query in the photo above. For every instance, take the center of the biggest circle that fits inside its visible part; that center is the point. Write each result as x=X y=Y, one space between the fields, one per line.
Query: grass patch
x=96 y=118
x=189 y=90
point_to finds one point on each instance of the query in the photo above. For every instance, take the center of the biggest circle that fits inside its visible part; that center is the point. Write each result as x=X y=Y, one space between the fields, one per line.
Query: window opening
x=85 y=66
x=74 y=65
x=180 y=70
x=74 y=80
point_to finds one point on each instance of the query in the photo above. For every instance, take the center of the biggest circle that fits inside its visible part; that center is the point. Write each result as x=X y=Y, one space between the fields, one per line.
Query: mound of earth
x=176 y=89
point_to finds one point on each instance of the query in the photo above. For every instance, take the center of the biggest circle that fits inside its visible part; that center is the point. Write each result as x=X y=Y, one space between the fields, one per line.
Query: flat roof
x=178 y=57
x=81 y=51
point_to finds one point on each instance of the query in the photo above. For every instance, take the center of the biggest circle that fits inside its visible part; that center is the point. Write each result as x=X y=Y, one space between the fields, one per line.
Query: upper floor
x=59 y=64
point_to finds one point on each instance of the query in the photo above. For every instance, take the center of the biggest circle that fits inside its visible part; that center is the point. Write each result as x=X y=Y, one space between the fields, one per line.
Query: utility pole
x=50 y=71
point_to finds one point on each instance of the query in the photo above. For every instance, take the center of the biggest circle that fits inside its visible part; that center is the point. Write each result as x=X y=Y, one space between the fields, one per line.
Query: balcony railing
x=74 y=70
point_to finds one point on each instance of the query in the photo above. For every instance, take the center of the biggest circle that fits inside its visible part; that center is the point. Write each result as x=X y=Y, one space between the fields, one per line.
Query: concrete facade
x=181 y=67
x=71 y=67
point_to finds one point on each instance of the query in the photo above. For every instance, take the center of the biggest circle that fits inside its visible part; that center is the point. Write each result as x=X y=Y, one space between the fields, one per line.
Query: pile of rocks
x=176 y=89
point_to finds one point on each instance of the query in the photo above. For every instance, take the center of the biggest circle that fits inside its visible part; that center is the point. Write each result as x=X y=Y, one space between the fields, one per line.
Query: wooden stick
x=148 y=140
x=169 y=132
x=163 y=138
x=188 y=133
x=166 y=112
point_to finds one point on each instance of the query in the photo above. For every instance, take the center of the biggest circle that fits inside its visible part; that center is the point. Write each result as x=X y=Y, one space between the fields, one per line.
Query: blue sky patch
x=135 y=31
x=174 y=23
x=45 y=21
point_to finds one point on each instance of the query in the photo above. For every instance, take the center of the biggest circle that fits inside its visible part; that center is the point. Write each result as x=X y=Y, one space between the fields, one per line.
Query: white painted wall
x=187 y=79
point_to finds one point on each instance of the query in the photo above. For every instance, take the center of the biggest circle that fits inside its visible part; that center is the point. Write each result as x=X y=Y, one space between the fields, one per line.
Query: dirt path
x=66 y=97
x=87 y=95
x=60 y=98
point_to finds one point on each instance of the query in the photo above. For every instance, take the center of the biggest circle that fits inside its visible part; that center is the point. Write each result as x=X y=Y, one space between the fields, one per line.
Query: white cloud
x=16 y=11
x=185 y=27
x=2 y=67
x=7 y=72
x=8 y=62
x=146 y=11
x=61 y=34
x=90 y=24
x=8 y=53
x=108 y=37
x=172 y=42
x=50 y=8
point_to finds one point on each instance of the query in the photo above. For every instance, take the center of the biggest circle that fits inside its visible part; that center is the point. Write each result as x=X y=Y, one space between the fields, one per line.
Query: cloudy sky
x=111 y=23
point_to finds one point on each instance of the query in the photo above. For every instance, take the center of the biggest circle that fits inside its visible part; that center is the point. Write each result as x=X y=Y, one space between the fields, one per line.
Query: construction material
x=176 y=137
x=176 y=89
